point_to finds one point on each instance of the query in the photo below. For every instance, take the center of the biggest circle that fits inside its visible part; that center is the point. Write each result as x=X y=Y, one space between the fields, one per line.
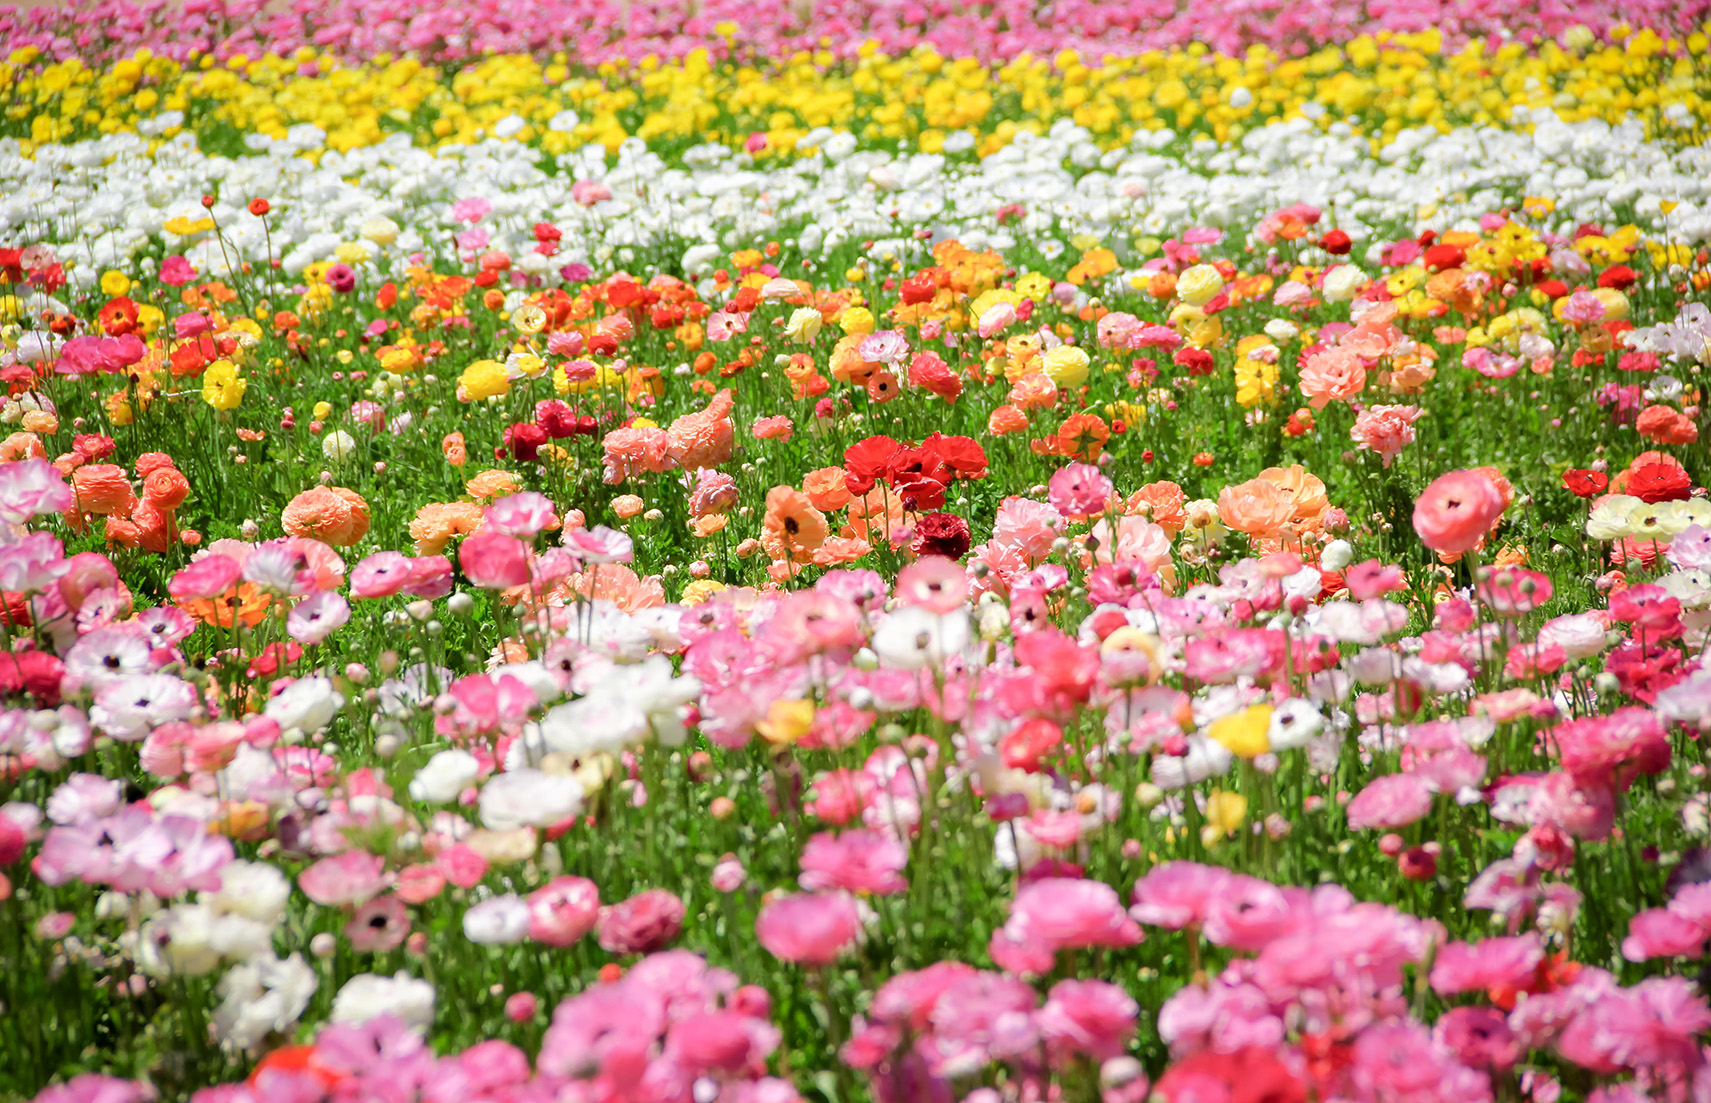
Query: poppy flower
x=1585 y=484
x=1659 y=482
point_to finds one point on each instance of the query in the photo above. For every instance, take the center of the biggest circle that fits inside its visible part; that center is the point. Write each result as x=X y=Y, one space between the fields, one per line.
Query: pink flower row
x=594 y=31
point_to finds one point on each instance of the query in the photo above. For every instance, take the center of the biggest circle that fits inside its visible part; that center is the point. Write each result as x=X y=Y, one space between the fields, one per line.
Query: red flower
x=1619 y=276
x=943 y=534
x=1336 y=242
x=963 y=455
x=865 y=461
x=919 y=288
x=1445 y=256
x=1556 y=289
x=524 y=439
x=1585 y=484
x=259 y=207
x=1660 y=482
x=1252 y=1074
x=1197 y=361
x=555 y=419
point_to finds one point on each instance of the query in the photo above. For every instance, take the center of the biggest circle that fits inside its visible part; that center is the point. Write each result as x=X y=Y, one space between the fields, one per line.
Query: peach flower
x=330 y=514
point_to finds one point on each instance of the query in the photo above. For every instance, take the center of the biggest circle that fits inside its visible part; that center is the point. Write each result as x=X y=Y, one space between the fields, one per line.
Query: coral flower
x=792 y=528
x=706 y=438
x=103 y=489
x=1453 y=514
x=1257 y=507
x=330 y=514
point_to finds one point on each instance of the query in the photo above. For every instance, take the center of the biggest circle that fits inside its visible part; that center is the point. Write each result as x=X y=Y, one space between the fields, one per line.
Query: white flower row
x=104 y=200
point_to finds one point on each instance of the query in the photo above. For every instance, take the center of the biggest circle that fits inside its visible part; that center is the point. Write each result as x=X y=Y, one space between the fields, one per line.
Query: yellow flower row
x=1378 y=85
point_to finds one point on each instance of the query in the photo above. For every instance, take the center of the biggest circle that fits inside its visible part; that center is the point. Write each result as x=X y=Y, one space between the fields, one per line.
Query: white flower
x=1342 y=282
x=497 y=921
x=598 y=722
x=261 y=997
x=1337 y=555
x=1205 y=758
x=444 y=776
x=528 y=797
x=308 y=704
x=178 y=942
x=253 y=890
x=338 y=446
x=1293 y=723
x=911 y=638
x=368 y=996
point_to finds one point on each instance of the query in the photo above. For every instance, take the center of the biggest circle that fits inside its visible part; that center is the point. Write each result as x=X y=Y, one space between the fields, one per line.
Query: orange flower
x=1033 y=391
x=1257 y=507
x=22 y=446
x=707 y=437
x=1306 y=490
x=453 y=446
x=826 y=488
x=246 y=604
x=838 y=550
x=103 y=489
x=437 y=522
x=1161 y=503
x=1082 y=437
x=621 y=586
x=165 y=488
x=330 y=514
x=628 y=505
x=492 y=483
x=1006 y=419
x=792 y=528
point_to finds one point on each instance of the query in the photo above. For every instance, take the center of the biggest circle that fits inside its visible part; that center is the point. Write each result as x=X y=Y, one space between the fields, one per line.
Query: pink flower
x=1070 y=913
x=1661 y=932
x=1385 y=430
x=642 y=924
x=1079 y=491
x=563 y=910
x=380 y=575
x=1490 y=963
x=1178 y=894
x=1390 y=801
x=461 y=865
x=1454 y=513
x=30 y=488
x=343 y=879
x=378 y=926
x=808 y=928
x=1091 y=1017
x=494 y=561
x=778 y=427
x=1479 y=1037
x=856 y=861
x=521 y=515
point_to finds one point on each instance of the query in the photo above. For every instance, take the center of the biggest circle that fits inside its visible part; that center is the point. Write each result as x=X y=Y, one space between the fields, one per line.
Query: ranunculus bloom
x=808 y=928
x=330 y=514
x=1456 y=512
x=642 y=924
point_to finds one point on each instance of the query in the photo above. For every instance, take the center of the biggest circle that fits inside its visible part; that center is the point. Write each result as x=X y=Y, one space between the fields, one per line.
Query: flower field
x=855 y=551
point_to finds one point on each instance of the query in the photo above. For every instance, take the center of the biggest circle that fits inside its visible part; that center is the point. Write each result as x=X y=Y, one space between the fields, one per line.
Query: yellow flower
x=786 y=721
x=1256 y=382
x=1034 y=286
x=1244 y=734
x=184 y=227
x=804 y=325
x=321 y=409
x=1066 y=366
x=857 y=319
x=1225 y=814
x=222 y=387
x=114 y=283
x=484 y=379
x=1199 y=285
